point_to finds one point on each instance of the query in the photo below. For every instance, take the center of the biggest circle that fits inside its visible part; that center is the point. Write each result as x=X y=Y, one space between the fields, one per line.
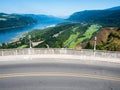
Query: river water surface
x=9 y=34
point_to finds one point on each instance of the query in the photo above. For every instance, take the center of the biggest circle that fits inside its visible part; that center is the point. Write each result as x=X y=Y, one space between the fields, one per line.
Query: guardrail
x=64 y=51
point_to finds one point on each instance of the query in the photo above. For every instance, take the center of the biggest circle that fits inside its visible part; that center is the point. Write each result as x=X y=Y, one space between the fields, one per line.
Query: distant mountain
x=88 y=15
x=8 y=21
x=41 y=17
x=108 y=17
x=114 y=8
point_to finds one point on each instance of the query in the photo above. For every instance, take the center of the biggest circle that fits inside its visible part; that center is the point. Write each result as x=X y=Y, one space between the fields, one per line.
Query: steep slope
x=114 y=8
x=107 y=39
x=8 y=21
x=88 y=15
x=43 y=18
x=109 y=19
x=71 y=35
x=65 y=35
x=102 y=17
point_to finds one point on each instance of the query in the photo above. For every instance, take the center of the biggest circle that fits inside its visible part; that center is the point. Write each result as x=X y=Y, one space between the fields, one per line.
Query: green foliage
x=111 y=41
x=106 y=18
x=92 y=29
x=63 y=32
x=8 y=21
x=66 y=35
x=23 y=46
x=71 y=39
x=84 y=36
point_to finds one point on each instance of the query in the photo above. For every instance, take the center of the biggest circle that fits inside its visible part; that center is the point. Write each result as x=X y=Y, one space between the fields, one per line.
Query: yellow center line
x=59 y=74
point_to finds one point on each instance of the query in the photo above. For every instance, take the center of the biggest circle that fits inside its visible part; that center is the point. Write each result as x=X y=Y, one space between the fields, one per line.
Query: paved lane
x=57 y=83
x=59 y=76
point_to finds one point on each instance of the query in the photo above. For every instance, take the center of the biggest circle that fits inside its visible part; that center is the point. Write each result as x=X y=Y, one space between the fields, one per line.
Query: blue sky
x=54 y=7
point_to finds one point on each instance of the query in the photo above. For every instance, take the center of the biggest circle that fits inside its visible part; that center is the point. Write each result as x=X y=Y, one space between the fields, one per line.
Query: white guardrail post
x=16 y=52
x=2 y=53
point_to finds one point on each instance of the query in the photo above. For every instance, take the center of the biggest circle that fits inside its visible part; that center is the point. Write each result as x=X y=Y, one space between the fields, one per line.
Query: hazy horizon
x=62 y=8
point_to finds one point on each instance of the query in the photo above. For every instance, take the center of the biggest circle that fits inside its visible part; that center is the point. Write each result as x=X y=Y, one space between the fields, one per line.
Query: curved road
x=35 y=75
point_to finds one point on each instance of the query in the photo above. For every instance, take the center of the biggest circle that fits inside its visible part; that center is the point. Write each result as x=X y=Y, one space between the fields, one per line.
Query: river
x=9 y=34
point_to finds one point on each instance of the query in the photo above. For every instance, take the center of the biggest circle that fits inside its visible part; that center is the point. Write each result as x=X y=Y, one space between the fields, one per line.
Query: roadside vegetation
x=65 y=35
x=79 y=37
x=70 y=35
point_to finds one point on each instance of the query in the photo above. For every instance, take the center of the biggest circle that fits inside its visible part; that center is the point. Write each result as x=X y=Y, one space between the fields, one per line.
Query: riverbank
x=10 y=35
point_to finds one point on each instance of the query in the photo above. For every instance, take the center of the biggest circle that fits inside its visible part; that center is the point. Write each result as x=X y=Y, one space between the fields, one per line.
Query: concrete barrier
x=83 y=54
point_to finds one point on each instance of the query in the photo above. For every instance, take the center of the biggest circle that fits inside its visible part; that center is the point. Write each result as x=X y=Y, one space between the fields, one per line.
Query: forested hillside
x=106 y=18
x=41 y=18
x=8 y=21
x=71 y=35
x=65 y=35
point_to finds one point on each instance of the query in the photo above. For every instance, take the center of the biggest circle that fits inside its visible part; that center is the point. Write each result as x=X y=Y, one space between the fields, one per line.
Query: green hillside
x=79 y=33
x=70 y=35
x=106 y=18
x=107 y=39
x=8 y=21
x=66 y=35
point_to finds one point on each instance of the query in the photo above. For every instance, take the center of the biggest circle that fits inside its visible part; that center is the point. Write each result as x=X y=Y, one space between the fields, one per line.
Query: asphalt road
x=59 y=76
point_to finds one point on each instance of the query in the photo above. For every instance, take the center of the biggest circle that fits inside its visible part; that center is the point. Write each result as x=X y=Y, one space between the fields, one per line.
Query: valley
x=77 y=31
x=17 y=28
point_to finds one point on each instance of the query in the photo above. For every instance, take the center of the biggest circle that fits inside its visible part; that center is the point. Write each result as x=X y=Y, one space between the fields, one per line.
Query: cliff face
x=107 y=39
